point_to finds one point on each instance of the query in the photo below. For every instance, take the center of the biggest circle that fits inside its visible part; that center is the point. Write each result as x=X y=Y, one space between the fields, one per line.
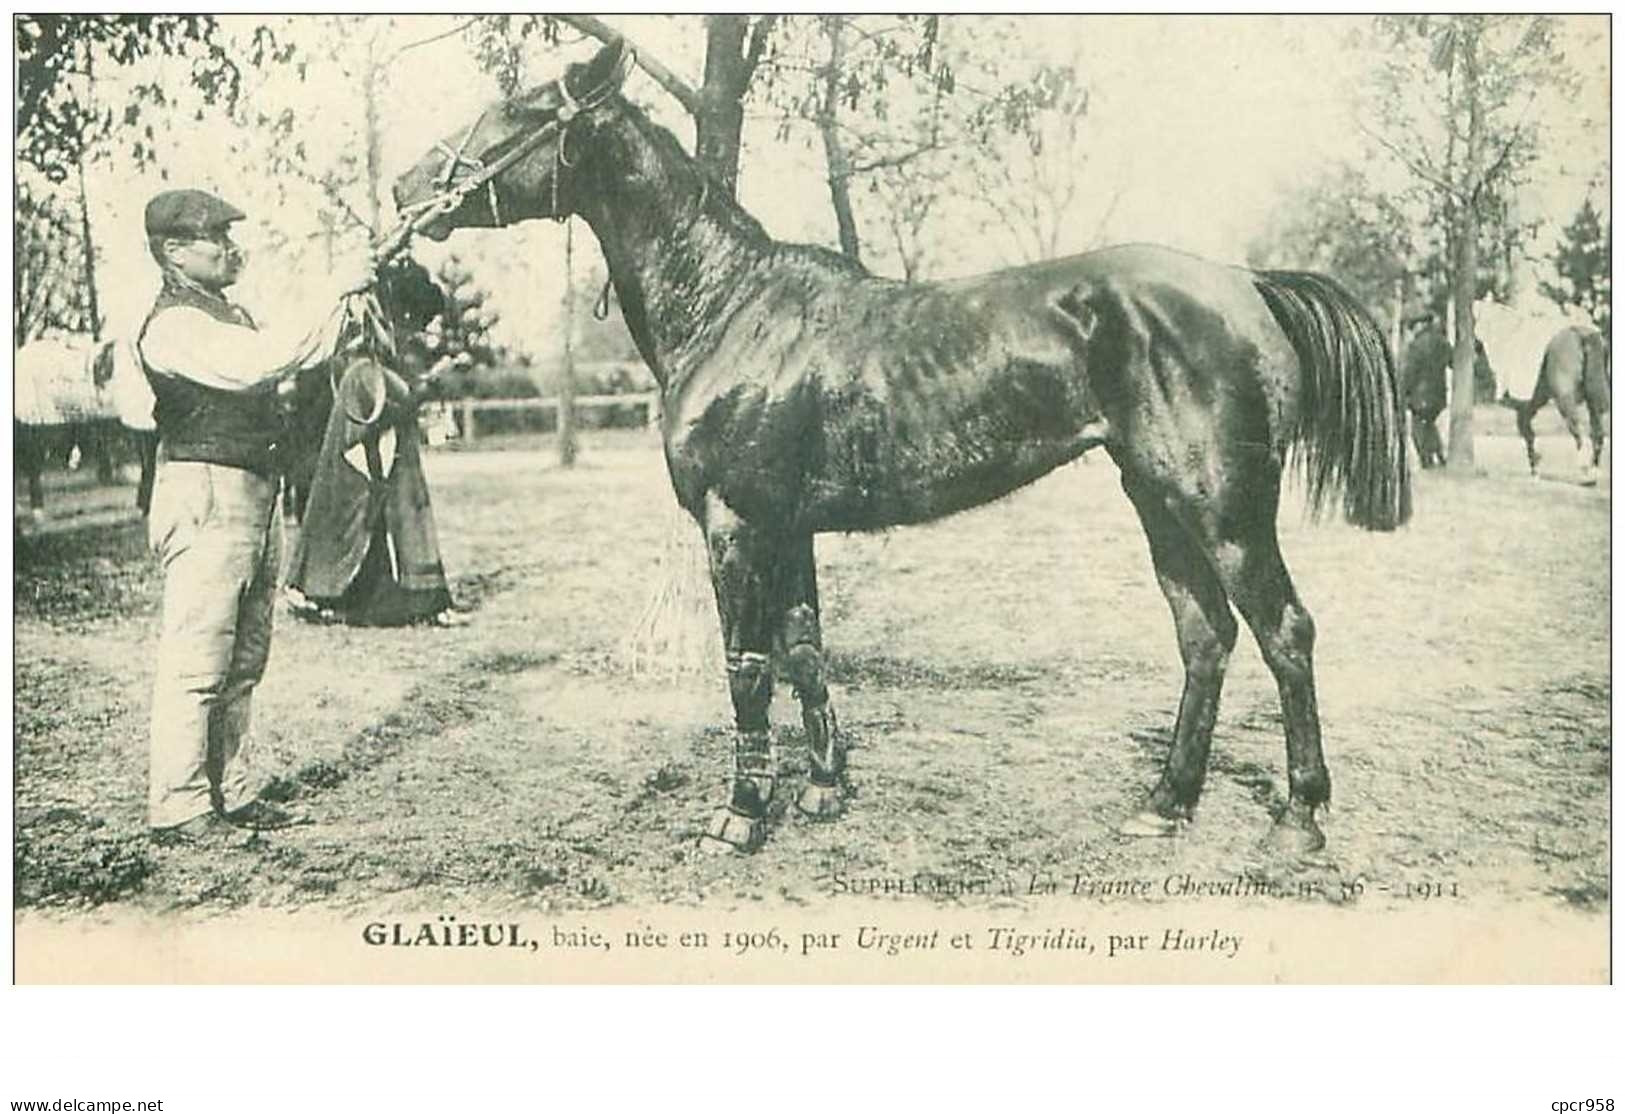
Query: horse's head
x=512 y=163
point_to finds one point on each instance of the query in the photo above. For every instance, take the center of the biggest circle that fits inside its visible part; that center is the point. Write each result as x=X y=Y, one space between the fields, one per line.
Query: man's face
x=213 y=261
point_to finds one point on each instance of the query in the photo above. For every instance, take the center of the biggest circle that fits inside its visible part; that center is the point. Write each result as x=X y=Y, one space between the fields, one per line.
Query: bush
x=499 y=381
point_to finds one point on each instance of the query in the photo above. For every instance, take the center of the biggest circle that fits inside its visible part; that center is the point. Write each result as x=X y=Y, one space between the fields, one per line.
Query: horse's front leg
x=803 y=663
x=741 y=571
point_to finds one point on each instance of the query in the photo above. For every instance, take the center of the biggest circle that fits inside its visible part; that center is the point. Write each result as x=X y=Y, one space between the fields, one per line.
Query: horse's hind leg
x=1599 y=435
x=742 y=560
x=1526 y=430
x=803 y=663
x=1566 y=397
x=1248 y=558
x=1599 y=400
x=29 y=453
x=1206 y=630
x=147 y=444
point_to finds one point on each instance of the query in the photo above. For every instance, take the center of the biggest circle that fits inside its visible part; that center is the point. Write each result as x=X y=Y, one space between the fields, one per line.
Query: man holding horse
x=214 y=521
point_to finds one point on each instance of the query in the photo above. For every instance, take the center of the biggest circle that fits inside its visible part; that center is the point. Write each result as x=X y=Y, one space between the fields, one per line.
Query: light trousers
x=218 y=532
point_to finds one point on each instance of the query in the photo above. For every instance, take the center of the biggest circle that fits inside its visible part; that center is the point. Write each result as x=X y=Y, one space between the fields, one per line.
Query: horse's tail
x=1351 y=429
x=1596 y=379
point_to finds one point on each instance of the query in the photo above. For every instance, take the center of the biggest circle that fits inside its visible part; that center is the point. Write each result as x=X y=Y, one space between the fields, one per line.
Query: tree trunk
x=369 y=97
x=1397 y=327
x=93 y=312
x=835 y=157
x=720 y=122
x=1464 y=282
x=99 y=439
x=567 y=367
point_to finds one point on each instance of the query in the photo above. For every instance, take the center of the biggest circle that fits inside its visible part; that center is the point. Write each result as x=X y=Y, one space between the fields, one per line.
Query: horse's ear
x=603 y=74
x=623 y=66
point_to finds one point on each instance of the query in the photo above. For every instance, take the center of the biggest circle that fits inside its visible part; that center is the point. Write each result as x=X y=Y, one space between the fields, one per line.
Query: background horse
x=1545 y=357
x=802 y=394
x=66 y=396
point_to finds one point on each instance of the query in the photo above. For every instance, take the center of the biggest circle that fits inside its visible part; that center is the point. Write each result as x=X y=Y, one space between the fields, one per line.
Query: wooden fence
x=469 y=408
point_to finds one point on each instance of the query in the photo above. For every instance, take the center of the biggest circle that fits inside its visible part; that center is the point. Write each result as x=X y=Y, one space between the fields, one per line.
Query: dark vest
x=200 y=423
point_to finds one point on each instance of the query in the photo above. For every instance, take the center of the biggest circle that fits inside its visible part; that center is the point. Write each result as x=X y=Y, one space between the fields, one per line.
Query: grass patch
x=69 y=858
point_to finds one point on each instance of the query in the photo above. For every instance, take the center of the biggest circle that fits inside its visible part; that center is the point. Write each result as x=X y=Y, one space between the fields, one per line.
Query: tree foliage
x=913 y=115
x=462 y=333
x=1034 y=165
x=1584 y=264
x=1346 y=227
x=881 y=96
x=48 y=293
x=60 y=119
x=1437 y=71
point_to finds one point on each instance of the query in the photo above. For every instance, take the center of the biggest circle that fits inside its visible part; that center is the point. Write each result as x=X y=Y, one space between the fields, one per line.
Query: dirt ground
x=1007 y=677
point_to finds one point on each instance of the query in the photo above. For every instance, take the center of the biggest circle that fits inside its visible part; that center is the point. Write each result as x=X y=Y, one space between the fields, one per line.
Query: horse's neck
x=675 y=260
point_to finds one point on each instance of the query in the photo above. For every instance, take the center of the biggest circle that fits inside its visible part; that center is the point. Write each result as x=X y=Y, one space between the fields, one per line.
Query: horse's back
x=908 y=401
x=1148 y=267
x=54 y=383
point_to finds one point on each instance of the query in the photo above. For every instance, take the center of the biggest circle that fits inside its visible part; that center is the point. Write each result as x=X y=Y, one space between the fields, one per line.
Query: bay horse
x=802 y=394
x=1570 y=366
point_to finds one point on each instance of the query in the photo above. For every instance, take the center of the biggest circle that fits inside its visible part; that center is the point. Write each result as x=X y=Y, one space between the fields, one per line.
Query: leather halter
x=453 y=190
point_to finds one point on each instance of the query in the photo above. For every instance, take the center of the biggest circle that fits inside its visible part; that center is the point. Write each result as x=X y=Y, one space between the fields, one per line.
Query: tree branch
x=1494 y=168
x=1421 y=170
x=680 y=90
x=1506 y=151
x=1105 y=218
x=891 y=162
x=461 y=27
x=332 y=191
x=758 y=44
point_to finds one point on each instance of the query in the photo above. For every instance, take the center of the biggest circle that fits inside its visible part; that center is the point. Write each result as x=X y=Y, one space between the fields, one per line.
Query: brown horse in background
x=1574 y=374
x=801 y=394
x=1541 y=356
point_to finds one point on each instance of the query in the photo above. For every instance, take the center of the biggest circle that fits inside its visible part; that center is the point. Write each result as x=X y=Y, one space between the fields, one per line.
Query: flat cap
x=188 y=213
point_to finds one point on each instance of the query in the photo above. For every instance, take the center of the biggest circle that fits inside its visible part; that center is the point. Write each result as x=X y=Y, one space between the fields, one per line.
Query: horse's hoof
x=1588 y=478
x=1148 y=823
x=1295 y=837
x=820 y=802
x=731 y=832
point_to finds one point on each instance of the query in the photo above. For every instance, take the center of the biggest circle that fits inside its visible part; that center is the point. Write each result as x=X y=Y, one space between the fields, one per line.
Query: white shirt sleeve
x=188 y=342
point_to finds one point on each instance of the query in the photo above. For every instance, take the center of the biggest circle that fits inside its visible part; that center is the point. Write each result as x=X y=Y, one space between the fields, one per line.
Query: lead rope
x=567 y=112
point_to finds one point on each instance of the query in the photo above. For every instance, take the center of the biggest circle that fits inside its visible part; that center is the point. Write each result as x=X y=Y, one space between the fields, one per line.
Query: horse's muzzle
x=436 y=228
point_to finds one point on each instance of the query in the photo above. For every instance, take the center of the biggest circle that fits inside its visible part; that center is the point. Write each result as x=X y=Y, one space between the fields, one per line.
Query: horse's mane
x=725 y=210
